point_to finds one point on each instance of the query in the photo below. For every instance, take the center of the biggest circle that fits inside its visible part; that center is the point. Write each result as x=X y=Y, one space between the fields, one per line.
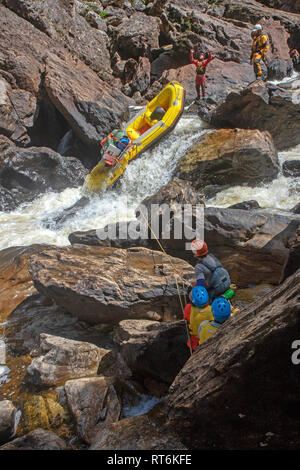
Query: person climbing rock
x=197 y=312
x=201 y=65
x=221 y=310
x=259 y=50
x=209 y=271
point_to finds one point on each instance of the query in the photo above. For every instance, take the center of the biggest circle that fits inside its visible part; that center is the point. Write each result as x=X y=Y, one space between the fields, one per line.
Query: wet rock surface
x=255 y=246
x=25 y=174
x=245 y=205
x=291 y=168
x=296 y=209
x=252 y=345
x=230 y=157
x=41 y=411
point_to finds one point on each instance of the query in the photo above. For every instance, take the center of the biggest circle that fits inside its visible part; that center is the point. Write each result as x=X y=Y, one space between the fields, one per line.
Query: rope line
x=175 y=275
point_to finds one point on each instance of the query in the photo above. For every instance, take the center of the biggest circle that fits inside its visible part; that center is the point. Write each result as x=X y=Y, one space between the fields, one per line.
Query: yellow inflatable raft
x=149 y=125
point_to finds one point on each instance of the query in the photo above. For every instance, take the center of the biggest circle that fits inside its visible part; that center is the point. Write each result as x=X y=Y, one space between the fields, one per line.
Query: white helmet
x=257 y=27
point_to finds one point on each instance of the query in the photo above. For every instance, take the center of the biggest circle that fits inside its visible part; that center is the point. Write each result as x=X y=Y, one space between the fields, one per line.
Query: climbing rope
x=164 y=251
x=176 y=274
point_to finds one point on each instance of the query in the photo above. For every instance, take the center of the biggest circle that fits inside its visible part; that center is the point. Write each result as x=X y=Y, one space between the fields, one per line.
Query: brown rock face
x=60 y=21
x=145 y=432
x=91 y=107
x=39 y=439
x=137 y=35
x=106 y=285
x=61 y=359
x=15 y=281
x=230 y=157
x=288 y=5
x=94 y=404
x=242 y=384
x=264 y=107
x=81 y=100
x=153 y=349
x=37 y=315
x=22 y=69
x=17 y=109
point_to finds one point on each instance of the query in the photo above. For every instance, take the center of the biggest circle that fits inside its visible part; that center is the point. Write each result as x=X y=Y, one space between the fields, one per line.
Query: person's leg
x=198 y=84
x=257 y=66
x=203 y=86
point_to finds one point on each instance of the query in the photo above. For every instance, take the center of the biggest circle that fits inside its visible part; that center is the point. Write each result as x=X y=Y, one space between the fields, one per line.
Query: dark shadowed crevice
x=50 y=126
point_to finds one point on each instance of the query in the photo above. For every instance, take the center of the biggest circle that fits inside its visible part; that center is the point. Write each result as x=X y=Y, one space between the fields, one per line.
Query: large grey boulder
x=94 y=403
x=153 y=349
x=265 y=107
x=230 y=156
x=106 y=285
x=60 y=359
x=28 y=173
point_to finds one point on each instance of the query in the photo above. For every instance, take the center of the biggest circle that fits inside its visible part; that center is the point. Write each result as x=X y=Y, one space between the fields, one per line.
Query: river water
x=142 y=178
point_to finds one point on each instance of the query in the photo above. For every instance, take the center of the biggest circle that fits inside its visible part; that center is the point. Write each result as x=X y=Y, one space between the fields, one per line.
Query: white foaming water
x=145 y=404
x=286 y=80
x=4 y=372
x=142 y=177
x=280 y=195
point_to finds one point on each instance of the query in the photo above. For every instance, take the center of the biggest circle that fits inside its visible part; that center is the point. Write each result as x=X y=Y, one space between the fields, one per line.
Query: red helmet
x=199 y=247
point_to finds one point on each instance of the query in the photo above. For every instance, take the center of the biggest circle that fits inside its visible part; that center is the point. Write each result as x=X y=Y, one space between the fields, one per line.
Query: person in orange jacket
x=197 y=312
x=201 y=65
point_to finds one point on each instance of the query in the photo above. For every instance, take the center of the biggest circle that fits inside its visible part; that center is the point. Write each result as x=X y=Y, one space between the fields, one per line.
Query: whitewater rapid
x=281 y=195
x=142 y=178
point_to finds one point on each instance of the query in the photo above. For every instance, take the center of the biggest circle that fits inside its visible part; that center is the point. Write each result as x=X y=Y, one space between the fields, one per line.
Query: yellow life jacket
x=200 y=69
x=260 y=44
x=207 y=329
x=199 y=315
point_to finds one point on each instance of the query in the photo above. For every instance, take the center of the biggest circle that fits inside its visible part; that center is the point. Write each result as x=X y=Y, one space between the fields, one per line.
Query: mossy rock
x=41 y=412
